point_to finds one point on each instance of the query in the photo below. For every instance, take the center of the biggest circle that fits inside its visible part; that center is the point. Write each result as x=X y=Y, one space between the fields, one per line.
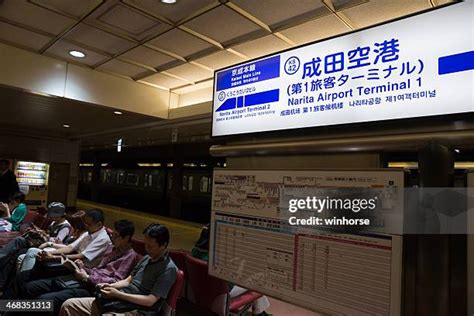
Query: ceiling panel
x=122 y=68
x=220 y=59
x=315 y=30
x=191 y=72
x=363 y=15
x=148 y=57
x=262 y=46
x=119 y=18
x=172 y=12
x=273 y=12
x=34 y=16
x=22 y=37
x=61 y=49
x=165 y=81
x=195 y=87
x=132 y=22
x=222 y=24
x=99 y=39
x=72 y=8
x=180 y=43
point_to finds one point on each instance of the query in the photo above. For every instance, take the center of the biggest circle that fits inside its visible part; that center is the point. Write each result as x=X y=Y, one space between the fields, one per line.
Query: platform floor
x=183 y=235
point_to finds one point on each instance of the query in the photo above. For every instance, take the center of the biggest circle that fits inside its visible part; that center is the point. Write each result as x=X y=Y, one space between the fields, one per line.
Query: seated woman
x=18 y=213
x=201 y=251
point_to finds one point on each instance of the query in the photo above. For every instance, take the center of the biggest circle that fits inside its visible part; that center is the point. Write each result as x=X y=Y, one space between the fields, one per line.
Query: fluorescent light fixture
x=86 y=165
x=118 y=113
x=104 y=164
x=457 y=150
x=168 y=1
x=66 y=126
x=146 y=164
x=414 y=165
x=169 y=164
x=77 y=54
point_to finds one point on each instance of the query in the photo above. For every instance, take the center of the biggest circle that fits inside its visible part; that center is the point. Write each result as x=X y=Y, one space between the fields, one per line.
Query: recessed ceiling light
x=77 y=54
x=457 y=150
x=168 y=1
x=66 y=126
x=118 y=112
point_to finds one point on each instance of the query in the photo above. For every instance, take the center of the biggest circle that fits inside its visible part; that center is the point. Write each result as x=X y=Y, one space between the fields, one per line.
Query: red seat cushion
x=240 y=301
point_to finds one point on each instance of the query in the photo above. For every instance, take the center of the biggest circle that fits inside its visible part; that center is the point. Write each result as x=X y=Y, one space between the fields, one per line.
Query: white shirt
x=92 y=246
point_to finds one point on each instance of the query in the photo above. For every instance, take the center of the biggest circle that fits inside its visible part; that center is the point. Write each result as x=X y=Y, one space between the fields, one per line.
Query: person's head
x=157 y=238
x=56 y=211
x=123 y=233
x=77 y=222
x=203 y=242
x=94 y=220
x=17 y=198
x=4 y=165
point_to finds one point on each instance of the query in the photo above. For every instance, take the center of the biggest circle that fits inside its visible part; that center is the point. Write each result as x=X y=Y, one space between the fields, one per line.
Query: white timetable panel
x=331 y=273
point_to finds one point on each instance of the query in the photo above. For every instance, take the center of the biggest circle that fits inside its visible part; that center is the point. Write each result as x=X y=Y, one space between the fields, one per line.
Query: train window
x=190 y=183
x=120 y=177
x=204 y=184
x=185 y=183
x=132 y=179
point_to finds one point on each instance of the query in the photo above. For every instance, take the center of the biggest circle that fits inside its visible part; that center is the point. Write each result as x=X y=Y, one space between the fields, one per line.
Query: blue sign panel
x=251 y=73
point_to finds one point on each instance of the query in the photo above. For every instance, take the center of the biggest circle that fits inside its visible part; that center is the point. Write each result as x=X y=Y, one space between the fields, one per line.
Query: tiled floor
x=183 y=236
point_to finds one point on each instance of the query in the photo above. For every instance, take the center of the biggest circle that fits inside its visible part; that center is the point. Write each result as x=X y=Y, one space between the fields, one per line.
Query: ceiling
x=175 y=46
x=21 y=110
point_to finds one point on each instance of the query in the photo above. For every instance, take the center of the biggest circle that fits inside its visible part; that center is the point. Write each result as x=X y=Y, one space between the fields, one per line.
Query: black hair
x=159 y=233
x=18 y=196
x=96 y=215
x=125 y=228
x=77 y=221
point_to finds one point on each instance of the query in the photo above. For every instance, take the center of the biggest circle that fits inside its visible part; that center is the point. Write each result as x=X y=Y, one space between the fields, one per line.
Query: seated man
x=58 y=231
x=116 y=265
x=201 y=251
x=146 y=287
x=89 y=247
x=18 y=213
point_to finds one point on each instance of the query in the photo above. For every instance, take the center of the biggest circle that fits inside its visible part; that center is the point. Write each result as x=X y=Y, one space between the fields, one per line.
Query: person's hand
x=100 y=286
x=79 y=263
x=45 y=256
x=81 y=275
x=110 y=292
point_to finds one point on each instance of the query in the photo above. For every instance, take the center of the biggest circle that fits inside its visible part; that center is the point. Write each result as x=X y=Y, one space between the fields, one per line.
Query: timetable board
x=343 y=274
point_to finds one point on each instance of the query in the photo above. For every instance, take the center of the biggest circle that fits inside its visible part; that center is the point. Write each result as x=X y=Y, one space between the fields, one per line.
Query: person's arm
x=117 y=285
x=144 y=300
x=75 y=256
x=18 y=215
x=62 y=251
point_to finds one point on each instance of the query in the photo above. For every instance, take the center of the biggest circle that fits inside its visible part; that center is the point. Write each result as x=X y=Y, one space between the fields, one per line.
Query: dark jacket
x=8 y=186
